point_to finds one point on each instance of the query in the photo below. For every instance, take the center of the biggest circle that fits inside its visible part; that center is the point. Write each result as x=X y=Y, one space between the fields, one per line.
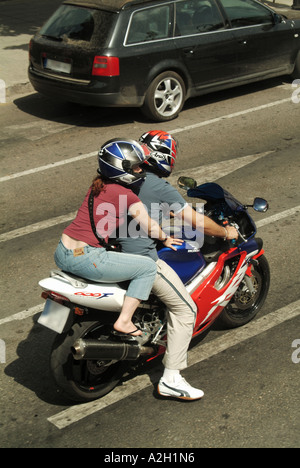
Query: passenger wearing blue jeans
x=79 y=251
x=161 y=149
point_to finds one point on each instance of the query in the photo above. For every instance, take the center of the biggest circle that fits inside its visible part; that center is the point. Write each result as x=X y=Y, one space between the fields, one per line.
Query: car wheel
x=165 y=97
x=296 y=72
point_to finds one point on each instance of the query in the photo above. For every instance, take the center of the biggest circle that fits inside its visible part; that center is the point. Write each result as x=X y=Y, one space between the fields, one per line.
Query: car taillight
x=106 y=66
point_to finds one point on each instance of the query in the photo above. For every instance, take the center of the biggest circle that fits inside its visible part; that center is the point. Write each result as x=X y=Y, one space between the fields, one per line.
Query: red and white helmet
x=160 y=149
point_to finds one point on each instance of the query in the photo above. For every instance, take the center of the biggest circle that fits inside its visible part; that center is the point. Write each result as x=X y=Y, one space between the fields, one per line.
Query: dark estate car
x=156 y=54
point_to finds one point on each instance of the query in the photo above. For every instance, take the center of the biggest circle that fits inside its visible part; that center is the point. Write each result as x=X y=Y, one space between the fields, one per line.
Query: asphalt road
x=248 y=141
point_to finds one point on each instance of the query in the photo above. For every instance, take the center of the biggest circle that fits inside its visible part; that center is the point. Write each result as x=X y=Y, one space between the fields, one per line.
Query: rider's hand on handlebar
x=232 y=233
x=170 y=242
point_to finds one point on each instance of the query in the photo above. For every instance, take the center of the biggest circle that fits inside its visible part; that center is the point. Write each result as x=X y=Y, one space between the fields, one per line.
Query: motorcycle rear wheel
x=244 y=306
x=84 y=381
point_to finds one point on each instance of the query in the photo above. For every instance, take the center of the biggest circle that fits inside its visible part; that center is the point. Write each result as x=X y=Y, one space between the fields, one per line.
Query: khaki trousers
x=181 y=315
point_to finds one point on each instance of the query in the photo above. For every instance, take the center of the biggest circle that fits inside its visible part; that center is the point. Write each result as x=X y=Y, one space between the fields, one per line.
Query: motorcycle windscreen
x=214 y=192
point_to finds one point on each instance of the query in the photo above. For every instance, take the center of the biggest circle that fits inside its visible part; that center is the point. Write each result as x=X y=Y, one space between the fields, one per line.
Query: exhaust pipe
x=108 y=350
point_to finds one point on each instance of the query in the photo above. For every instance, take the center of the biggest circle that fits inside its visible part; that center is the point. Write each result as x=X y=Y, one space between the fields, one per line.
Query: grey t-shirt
x=159 y=197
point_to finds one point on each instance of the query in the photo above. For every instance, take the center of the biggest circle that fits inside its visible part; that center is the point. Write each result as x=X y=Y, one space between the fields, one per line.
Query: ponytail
x=97 y=185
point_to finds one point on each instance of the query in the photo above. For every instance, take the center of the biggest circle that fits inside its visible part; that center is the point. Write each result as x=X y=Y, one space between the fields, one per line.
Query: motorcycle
x=228 y=281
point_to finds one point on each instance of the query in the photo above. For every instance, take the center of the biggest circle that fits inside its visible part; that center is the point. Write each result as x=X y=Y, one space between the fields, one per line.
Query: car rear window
x=72 y=23
x=149 y=25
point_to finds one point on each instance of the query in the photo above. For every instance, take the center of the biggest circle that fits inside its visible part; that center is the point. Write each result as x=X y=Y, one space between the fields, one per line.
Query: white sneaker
x=179 y=389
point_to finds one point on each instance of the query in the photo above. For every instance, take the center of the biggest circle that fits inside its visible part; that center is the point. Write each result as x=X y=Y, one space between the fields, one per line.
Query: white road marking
x=213 y=172
x=48 y=166
x=175 y=131
x=278 y=216
x=203 y=174
x=196 y=355
x=23 y=315
x=231 y=116
x=40 y=129
x=37 y=227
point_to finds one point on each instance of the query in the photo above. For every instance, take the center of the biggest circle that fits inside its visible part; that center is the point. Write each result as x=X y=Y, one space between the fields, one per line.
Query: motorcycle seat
x=69 y=275
x=121 y=284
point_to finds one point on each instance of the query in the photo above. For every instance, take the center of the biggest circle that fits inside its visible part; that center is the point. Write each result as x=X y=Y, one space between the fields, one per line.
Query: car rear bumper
x=89 y=93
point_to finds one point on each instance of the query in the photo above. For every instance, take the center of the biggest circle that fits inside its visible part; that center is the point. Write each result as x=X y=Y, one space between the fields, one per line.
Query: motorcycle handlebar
x=236 y=226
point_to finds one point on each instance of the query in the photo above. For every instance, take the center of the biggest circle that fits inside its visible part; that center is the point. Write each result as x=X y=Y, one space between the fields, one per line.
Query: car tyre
x=165 y=97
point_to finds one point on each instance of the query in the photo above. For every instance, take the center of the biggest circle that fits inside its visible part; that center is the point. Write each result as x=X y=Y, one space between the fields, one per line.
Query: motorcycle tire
x=244 y=306
x=83 y=381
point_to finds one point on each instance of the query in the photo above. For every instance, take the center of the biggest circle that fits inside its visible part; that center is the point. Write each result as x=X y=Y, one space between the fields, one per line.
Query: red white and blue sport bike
x=228 y=283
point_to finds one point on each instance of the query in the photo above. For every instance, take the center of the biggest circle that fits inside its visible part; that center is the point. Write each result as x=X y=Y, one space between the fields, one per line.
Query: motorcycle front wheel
x=84 y=381
x=245 y=305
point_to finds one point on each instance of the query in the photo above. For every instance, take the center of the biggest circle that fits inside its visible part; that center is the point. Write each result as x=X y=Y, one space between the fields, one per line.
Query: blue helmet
x=117 y=159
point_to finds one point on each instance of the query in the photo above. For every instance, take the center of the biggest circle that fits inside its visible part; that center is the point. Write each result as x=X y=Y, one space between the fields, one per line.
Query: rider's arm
x=140 y=215
x=203 y=223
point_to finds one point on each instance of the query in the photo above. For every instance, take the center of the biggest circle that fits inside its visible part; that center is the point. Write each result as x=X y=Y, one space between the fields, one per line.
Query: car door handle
x=189 y=51
x=243 y=42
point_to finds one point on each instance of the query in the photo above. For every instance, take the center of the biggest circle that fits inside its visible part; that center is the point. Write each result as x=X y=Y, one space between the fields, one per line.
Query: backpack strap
x=106 y=245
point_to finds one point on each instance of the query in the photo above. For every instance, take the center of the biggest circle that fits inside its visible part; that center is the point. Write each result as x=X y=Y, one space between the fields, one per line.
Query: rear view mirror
x=277 y=18
x=186 y=183
x=260 y=205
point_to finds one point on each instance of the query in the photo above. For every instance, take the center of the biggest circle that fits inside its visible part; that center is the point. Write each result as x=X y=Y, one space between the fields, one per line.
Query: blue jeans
x=96 y=264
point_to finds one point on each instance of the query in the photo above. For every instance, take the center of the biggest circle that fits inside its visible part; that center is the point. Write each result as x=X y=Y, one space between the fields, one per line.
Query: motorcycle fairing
x=187 y=260
x=212 y=300
x=101 y=296
x=208 y=297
